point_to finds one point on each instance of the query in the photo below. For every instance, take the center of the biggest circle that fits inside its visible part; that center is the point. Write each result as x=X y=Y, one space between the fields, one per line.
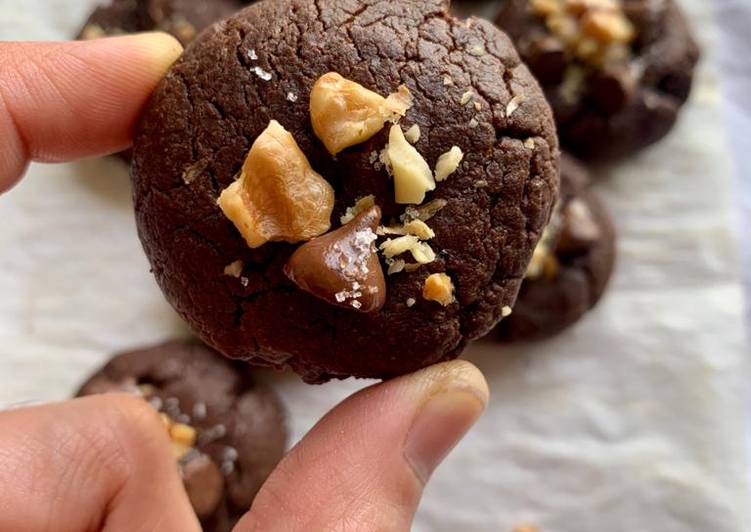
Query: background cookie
x=184 y=19
x=616 y=76
x=469 y=89
x=228 y=433
x=572 y=264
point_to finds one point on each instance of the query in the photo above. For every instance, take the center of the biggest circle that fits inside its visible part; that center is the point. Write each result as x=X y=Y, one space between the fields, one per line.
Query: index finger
x=63 y=101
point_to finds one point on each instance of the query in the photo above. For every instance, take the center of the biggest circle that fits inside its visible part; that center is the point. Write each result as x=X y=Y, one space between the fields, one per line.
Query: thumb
x=364 y=465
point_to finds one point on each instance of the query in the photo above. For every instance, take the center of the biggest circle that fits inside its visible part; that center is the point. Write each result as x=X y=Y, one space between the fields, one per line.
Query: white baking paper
x=631 y=422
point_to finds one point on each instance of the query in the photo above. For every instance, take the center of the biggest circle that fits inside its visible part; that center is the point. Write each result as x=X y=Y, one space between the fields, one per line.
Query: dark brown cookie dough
x=469 y=89
x=572 y=266
x=618 y=105
x=238 y=426
x=183 y=19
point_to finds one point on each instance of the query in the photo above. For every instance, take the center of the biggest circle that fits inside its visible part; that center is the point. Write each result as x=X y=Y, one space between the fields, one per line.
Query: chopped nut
x=480 y=183
x=506 y=311
x=234 y=269
x=184 y=29
x=412 y=175
x=478 y=106
x=361 y=205
x=183 y=434
x=93 y=31
x=439 y=288
x=473 y=123
x=448 y=163
x=595 y=32
x=412 y=134
x=344 y=113
x=411 y=302
x=421 y=251
x=278 y=196
x=417 y=228
x=447 y=81
x=466 y=97
x=146 y=390
x=607 y=26
x=395 y=266
x=424 y=212
x=529 y=143
x=477 y=50
x=514 y=104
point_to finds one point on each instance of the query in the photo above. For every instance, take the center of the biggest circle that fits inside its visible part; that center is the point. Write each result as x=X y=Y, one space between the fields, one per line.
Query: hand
x=104 y=462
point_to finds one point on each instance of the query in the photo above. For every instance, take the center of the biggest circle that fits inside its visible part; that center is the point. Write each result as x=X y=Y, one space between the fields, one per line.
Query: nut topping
x=579 y=229
x=597 y=32
x=342 y=267
x=412 y=175
x=439 y=288
x=278 y=196
x=448 y=163
x=344 y=113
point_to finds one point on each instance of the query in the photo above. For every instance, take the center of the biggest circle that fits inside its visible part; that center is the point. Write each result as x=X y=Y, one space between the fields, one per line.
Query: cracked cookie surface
x=469 y=89
x=553 y=301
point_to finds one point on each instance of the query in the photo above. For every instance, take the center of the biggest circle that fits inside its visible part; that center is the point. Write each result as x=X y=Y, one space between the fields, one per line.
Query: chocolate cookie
x=228 y=433
x=416 y=147
x=571 y=266
x=183 y=19
x=616 y=72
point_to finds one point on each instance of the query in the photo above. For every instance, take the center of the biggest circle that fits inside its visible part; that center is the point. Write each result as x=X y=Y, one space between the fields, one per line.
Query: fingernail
x=161 y=48
x=453 y=405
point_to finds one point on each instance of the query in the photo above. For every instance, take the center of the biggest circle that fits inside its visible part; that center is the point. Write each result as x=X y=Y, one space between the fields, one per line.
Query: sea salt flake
x=291 y=97
x=261 y=73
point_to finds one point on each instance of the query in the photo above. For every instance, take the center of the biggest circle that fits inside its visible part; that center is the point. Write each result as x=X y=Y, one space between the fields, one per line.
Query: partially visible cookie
x=228 y=433
x=571 y=266
x=616 y=72
x=184 y=19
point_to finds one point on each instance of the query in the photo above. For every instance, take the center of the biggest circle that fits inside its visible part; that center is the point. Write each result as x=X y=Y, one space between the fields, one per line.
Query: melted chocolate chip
x=342 y=267
x=204 y=483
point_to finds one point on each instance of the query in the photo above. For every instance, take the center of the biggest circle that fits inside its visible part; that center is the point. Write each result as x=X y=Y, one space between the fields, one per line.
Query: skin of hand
x=104 y=462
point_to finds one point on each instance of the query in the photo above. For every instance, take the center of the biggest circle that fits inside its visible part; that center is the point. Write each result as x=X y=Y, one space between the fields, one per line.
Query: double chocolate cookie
x=183 y=19
x=227 y=432
x=344 y=190
x=571 y=266
x=616 y=72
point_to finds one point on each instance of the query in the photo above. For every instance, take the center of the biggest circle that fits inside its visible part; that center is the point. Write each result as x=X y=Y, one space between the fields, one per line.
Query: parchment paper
x=633 y=421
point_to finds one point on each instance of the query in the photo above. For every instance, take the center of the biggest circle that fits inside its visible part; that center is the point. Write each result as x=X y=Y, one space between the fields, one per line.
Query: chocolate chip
x=547 y=58
x=579 y=230
x=613 y=88
x=342 y=267
x=204 y=483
